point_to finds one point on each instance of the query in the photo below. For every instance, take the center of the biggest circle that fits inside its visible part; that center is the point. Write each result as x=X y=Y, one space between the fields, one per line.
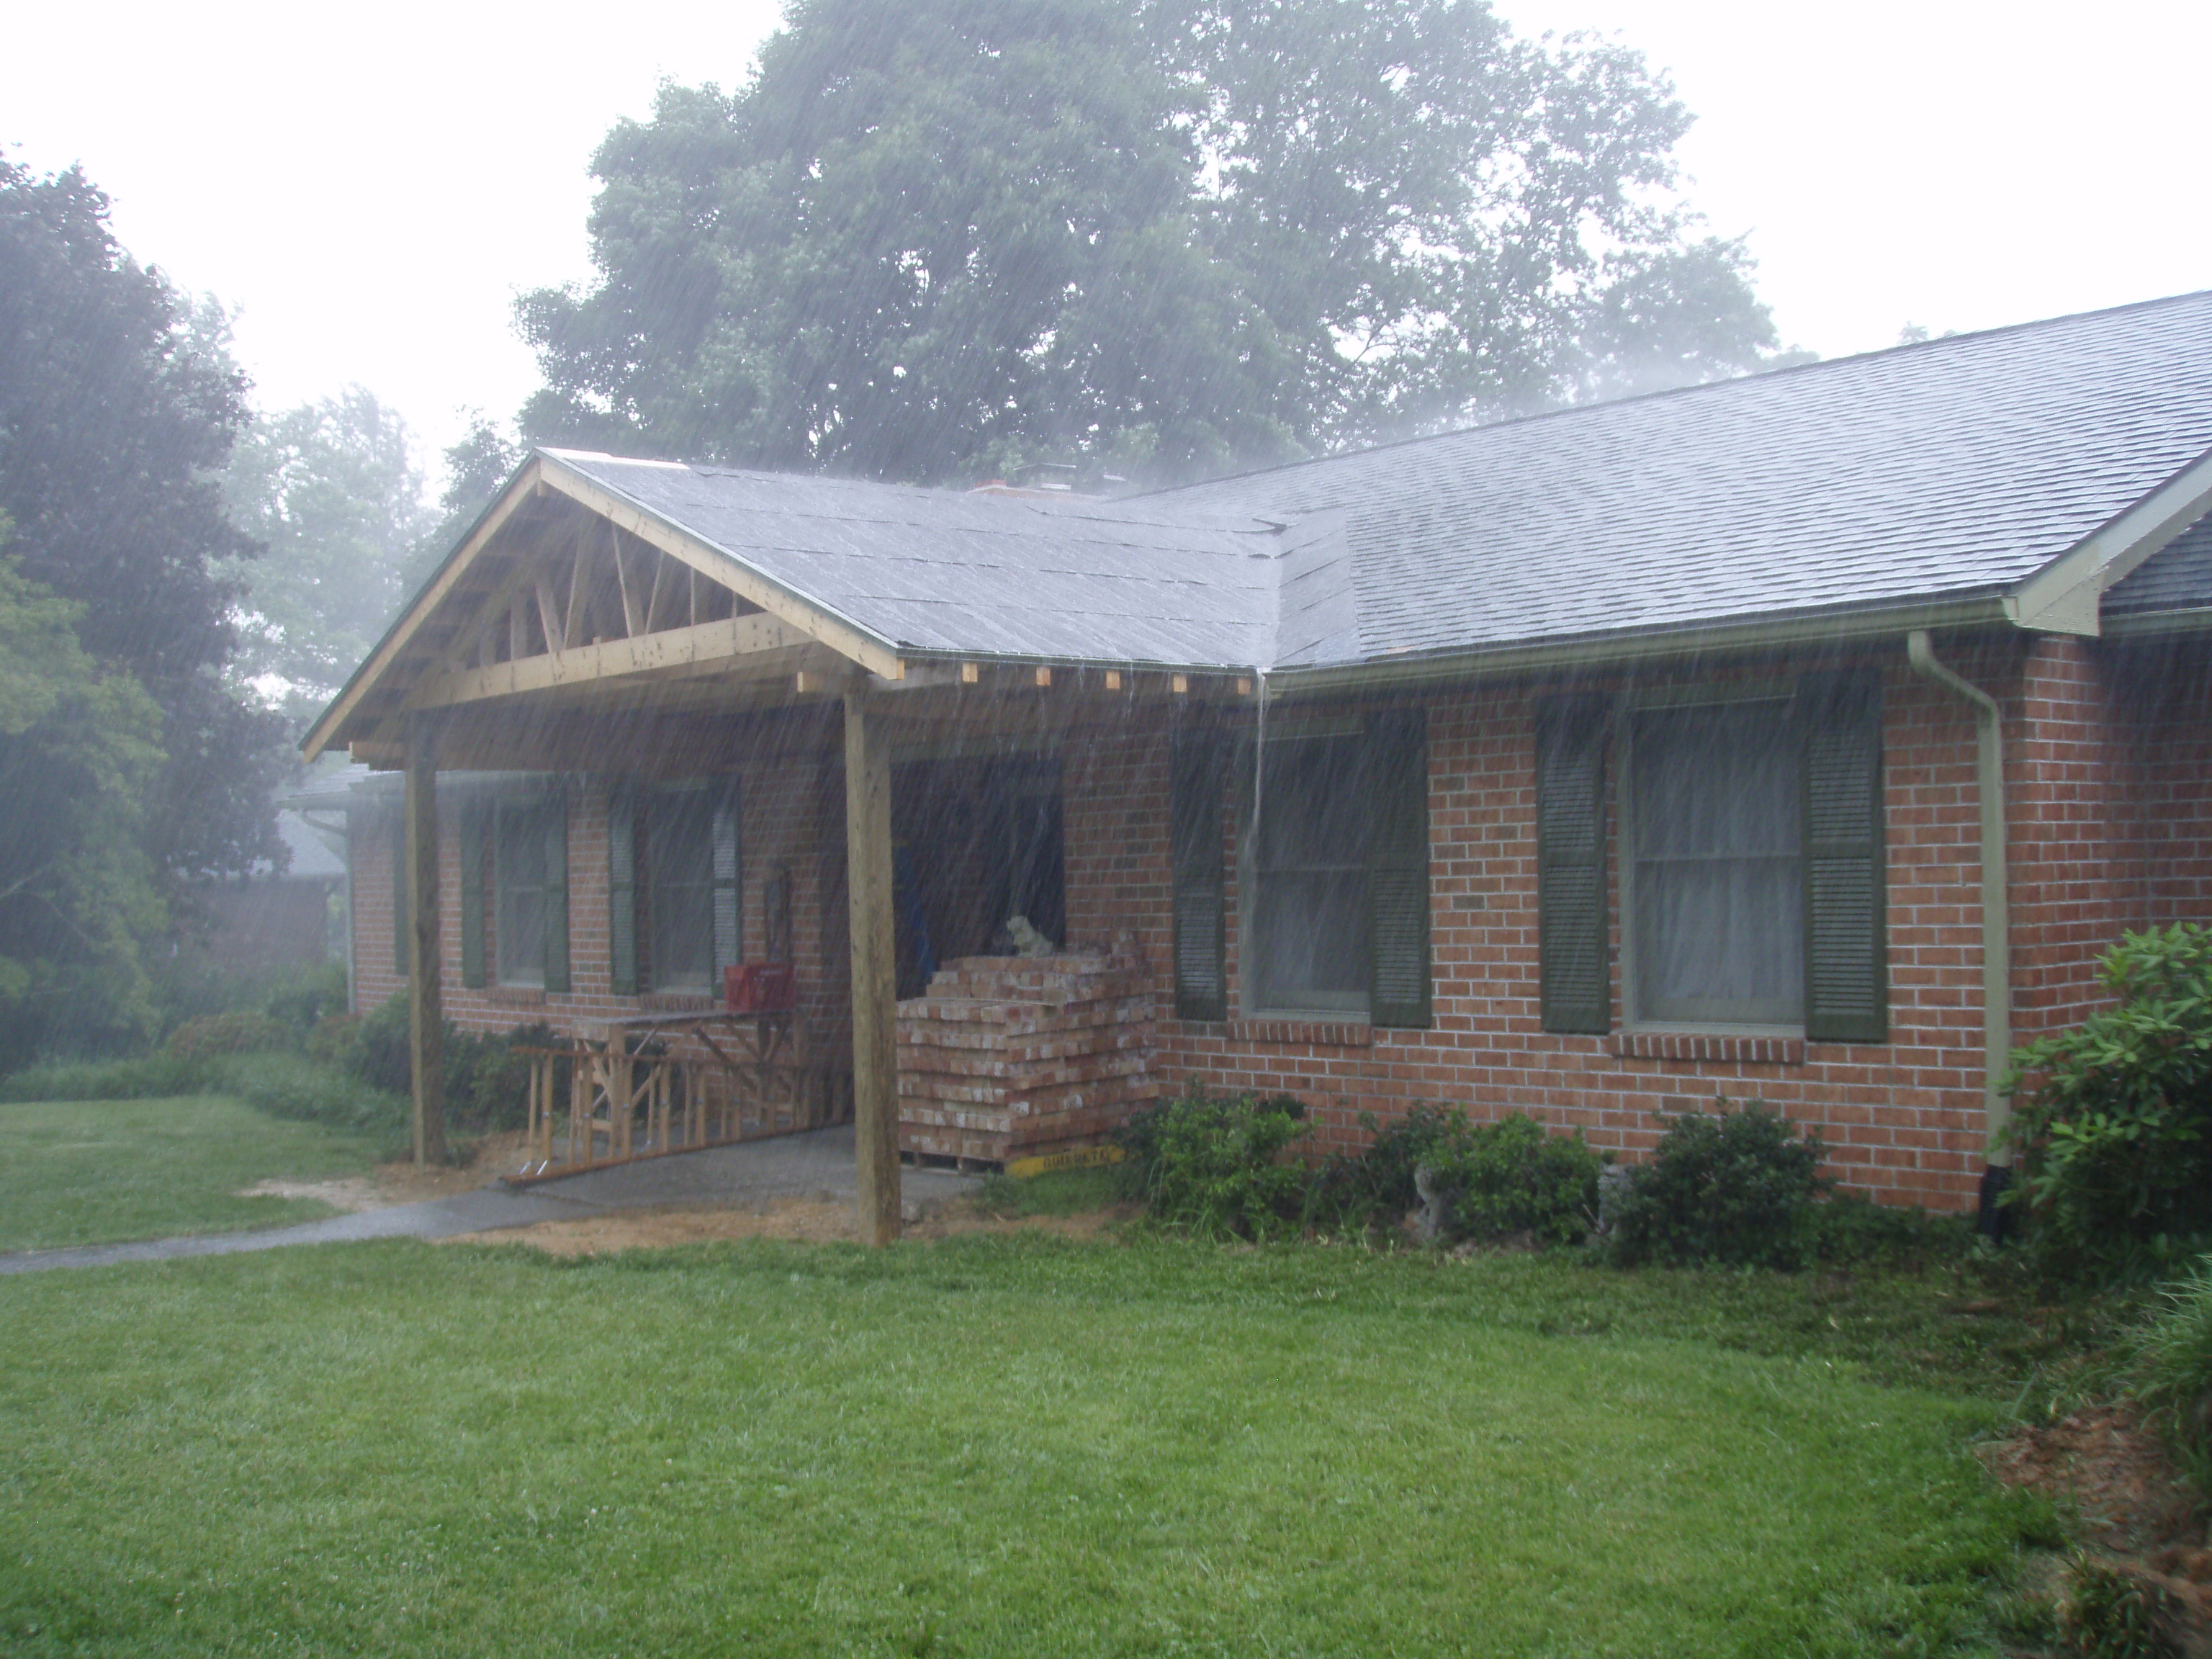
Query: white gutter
x=1996 y=917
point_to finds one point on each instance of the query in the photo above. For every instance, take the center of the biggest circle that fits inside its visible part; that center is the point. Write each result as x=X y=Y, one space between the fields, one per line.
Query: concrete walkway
x=818 y=1165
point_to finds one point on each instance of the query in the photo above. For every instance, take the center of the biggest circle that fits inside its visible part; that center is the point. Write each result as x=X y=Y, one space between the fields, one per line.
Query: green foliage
x=152 y=1076
x=292 y=1086
x=486 y=1081
x=1508 y=1176
x=247 y=1033
x=2110 y=1118
x=1734 y=1189
x=2109 y=1615
x=1056 y=1192
x=1485 y=1181
x=1847 y=1231
x=1216 y=1166
x=334 y=493
x=937 y=238
x=118 y=404
x=2166 y=1367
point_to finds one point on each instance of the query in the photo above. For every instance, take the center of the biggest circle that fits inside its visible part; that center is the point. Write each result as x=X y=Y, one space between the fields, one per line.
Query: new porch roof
x=2015 y=474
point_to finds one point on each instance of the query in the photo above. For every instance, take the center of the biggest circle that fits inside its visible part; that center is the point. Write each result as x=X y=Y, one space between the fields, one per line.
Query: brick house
x=1807 y=737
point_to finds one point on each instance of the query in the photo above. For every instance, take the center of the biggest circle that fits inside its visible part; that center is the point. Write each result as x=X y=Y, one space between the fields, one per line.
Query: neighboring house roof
x=2178 y=577
x=1951 y=468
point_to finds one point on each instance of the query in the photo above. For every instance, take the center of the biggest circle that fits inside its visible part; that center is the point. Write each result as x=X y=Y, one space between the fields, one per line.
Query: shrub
x=2167 y=1367
x=293 y=1086
x=332 y=1038
x=487 y=1082
x=1357 y=1189
x=1216 y=1167
x=1730 y=1187
x=2115 y=1139
x=379 y=1053
x=152 y=1076
x=214 y=1035
x=1510 y=1176
x=1846 y=1230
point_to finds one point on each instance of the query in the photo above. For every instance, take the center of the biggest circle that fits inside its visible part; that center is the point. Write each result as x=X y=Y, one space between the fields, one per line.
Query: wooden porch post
x=426 y=1011
x=875 y=969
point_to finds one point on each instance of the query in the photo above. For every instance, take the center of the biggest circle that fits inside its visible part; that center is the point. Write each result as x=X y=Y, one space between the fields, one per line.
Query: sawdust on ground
x=2136 y=1514
x=402 y=1183
x=806 y=1220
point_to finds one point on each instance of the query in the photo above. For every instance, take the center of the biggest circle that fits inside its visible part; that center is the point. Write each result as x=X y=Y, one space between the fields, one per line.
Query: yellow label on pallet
x=1082 y=1157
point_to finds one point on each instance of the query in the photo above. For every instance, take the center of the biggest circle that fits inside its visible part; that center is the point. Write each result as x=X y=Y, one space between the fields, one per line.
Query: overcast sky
x=372 y=185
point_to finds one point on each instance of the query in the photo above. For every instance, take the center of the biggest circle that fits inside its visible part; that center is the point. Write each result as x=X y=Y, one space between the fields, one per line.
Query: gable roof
x=2017 y=473
x=2178 y=577
x=975 y=573
x=1947 y=470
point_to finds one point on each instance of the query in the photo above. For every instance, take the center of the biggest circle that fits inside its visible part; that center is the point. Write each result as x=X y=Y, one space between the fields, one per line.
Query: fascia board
x=2065 y=595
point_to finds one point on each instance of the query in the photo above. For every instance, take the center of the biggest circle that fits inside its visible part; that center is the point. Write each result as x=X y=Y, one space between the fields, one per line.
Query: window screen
x=679 y=866
x=1309 y=915
x=519 y=875
x=1719 y=895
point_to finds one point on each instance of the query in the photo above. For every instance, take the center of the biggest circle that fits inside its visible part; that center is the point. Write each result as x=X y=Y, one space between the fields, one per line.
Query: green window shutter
x=729 y=915
x=1576 y=990
x=1846 y=953
x=621 y=891
x=400 y=964
x=556 y=892
x=1195 y=787
x=472 y=895
x=1397 y=986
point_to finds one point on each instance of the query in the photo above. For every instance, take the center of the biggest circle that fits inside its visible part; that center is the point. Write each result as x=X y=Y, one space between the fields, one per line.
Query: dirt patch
x=807 y=1220
x=2138 y=1517
x=401 y=1182
x=352 y=1196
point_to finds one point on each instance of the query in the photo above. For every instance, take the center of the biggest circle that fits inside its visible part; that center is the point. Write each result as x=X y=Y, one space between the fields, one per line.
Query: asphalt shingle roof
x=1948 y=470
x=2178 y=577
x=983 y=573
x=1943 y=470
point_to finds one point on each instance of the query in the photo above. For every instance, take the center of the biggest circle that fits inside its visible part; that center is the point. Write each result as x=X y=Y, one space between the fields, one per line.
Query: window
x=673 y=887
x=679 y=863
x=519 y=864
x=1334 y=879
x=1717 y=873
x=1308 y=916
x=1750 y=861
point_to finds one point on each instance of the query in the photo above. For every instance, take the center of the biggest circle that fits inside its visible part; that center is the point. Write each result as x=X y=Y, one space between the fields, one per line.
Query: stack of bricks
x=1008 y=1057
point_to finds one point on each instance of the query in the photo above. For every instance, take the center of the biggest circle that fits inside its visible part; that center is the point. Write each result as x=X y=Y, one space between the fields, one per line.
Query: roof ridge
x=1776 y=372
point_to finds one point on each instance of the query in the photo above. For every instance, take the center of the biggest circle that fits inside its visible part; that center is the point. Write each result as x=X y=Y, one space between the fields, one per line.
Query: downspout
x=1996 y=919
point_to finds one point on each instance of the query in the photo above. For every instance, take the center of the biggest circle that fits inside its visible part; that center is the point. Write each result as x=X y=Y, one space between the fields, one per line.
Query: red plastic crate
x=760 y=988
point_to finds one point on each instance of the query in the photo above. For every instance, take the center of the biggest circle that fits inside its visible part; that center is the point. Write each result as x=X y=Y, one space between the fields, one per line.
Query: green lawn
x=1004 y=1445
x=97 y=1172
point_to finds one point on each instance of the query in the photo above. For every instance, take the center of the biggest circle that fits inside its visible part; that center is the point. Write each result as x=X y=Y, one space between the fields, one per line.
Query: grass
x=996 y=1445
x=107 y=1171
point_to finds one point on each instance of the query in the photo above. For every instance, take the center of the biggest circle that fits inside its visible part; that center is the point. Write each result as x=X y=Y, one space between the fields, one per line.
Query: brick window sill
x=1328 y=1034
x=1695 y=1048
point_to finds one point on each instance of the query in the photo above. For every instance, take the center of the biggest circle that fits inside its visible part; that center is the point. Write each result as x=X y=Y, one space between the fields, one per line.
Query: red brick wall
x=1903 y=1120
x=2109 y=786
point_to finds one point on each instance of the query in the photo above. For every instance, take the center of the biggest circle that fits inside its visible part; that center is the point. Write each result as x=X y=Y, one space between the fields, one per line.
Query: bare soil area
x=2137 y=1514
x=808 y=1220
x=402 y=1183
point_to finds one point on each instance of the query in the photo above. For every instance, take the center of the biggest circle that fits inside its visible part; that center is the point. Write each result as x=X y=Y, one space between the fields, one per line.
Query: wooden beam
x=549 y=612
x=846 y=638
x=667 y=576
x=722 y=644
x=426 y=1014
x=573 y=635
x=875 y=972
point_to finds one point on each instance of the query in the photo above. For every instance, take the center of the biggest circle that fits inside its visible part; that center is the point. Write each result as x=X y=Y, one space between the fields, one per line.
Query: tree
x=947 y=237
x=478 y=463
x=332 y=491
x=117 y=407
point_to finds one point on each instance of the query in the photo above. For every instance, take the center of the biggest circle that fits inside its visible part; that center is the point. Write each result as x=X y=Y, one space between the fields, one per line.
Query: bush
x=487 y=1082
x=292 y=1086
x=1735 y=1188
x=152 y=1076
x=2115 y=1140
x=1510 y=1176
x=332 y=1038
x=214 y=1035
x=1847 y=1230
x=1216 y=1167
x=1355 y=1190
x=379 y=1053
